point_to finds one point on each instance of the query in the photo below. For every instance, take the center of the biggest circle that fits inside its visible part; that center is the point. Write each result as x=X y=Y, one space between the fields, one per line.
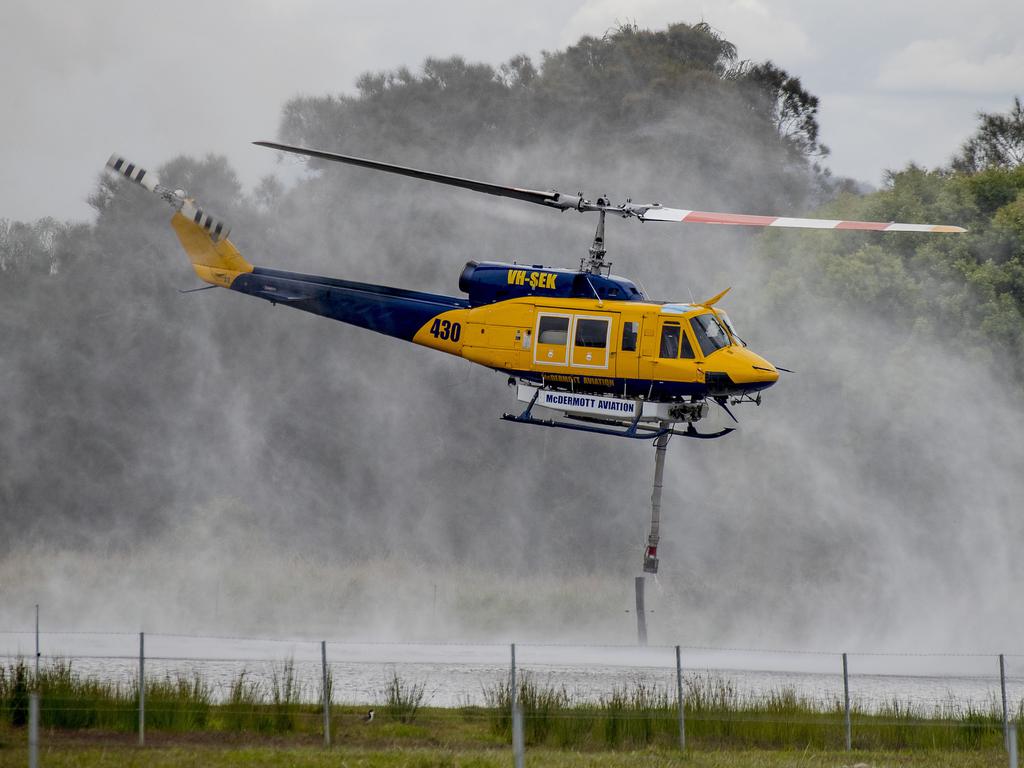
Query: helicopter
x=586 y=345
x=589 y=347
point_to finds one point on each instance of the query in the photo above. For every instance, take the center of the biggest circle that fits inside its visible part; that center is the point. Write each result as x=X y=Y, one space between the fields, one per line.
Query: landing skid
x=633 y=429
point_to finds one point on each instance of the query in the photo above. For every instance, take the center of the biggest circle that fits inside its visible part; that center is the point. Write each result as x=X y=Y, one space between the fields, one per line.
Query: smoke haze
x=209 y=462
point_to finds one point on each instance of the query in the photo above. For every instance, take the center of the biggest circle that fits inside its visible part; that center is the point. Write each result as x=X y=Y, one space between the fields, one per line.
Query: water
x=457 y=674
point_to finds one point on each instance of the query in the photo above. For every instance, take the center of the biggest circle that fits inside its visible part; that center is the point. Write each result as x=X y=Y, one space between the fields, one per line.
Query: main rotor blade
x=747 y=220
x=549 y=198
x=644 y=212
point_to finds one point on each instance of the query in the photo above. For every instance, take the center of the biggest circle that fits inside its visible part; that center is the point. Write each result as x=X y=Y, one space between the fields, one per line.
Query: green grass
x=258 y=756
x=636 y=716
x=719 y=716
x=69 y=700
x=403 y=699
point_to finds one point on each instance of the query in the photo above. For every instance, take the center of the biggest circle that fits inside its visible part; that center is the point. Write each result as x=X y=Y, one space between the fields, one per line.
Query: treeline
x=965 y=292
x=680 y=97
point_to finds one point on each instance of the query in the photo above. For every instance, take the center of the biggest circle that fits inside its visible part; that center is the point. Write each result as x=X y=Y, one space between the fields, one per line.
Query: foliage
x=402 y=699
x=246 y=706
x=678 y=92
x=538 y=704
x=286 y=693
x=179 y=703
x=251 y=706
x=718 y=715
x=14 y=682
x=967 y=290
x=782 y=99
x=998 y=142
x=39 y=248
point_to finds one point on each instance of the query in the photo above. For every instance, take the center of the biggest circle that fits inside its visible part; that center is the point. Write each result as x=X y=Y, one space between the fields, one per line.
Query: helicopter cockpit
x=727 y=322
x=710 y=333
x=711 y=329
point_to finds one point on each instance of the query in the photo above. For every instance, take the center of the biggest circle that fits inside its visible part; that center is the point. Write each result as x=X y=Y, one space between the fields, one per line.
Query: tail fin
x=204 y=237
x=215 y=262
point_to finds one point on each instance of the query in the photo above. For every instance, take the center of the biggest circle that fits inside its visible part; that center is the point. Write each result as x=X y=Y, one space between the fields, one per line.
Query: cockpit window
x=674 y=342
x=709 y=332
x=670 y=333
x=630 y=330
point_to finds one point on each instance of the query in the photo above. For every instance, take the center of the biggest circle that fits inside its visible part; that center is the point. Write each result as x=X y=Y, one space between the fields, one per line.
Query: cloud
x=858 y=127
x=953 y=65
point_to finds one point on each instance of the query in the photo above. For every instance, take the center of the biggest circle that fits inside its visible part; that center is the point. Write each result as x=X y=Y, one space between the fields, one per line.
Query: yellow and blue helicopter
x=584 y=344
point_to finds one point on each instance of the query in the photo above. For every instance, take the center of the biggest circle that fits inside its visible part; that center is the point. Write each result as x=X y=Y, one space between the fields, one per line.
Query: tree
x=781 y=98
x=966 y=289
x=745 y=134
x=998 y=142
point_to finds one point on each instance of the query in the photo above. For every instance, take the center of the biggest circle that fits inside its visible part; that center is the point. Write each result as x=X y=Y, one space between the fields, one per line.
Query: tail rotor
x=216 y=228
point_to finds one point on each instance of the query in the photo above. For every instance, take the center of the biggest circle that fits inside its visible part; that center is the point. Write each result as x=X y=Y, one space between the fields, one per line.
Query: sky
x=898 y=82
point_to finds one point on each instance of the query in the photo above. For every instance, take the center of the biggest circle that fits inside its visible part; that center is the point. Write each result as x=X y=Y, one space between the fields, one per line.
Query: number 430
x=445 y=330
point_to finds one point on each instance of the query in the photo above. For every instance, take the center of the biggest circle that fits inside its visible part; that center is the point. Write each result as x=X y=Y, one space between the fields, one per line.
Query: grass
x=718 y=716
x=636 y=716
x=403 y=699
x=435 y=757
x=180 y=703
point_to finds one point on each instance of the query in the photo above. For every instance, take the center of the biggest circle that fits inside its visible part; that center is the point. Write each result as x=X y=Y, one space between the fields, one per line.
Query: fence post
x=327 y=694
x=846 y=705
x=512 y=679
x=518 y=757
x=33 y=729
x=33 y=708
x=1002 y=686
x=37 y=644
x=517 y=717
x=1012 y=733
x=679 y=698
x=142 y=689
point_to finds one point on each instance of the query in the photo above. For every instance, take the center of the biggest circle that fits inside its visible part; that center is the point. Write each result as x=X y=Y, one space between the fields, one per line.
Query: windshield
x=724 y=317
x=709 y=332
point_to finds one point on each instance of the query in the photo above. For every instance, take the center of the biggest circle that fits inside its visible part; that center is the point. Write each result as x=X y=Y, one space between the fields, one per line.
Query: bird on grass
x=368 y=717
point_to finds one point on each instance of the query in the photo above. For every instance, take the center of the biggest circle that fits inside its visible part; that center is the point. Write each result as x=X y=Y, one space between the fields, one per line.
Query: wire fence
x=566 y=695
x=456 y=670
